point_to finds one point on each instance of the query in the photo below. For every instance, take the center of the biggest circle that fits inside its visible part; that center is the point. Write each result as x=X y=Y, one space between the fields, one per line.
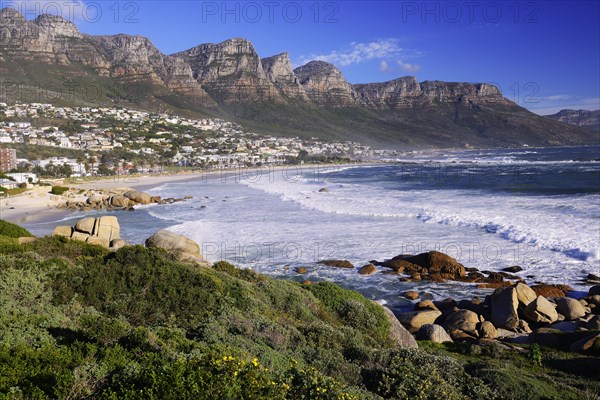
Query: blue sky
x=545 y=55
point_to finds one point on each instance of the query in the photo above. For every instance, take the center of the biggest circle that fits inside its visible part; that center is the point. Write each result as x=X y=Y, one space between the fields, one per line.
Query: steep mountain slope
x=49 y=60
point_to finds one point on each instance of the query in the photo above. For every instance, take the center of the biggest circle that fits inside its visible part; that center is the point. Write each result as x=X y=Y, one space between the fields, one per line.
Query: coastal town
x=84 y=141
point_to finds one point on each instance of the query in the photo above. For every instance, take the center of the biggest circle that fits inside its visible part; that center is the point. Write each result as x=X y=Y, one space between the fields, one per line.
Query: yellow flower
x=255 y=362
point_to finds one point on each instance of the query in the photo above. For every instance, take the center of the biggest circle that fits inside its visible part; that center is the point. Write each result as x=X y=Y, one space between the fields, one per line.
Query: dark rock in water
x=594 y=290
x=494 y=276
x=323 y=190
x=471 y=269
x=411 y=295
x=551 y=291
x=510 y=276
x=368 y=269
x=513 y=269
x=337 y=263
x=301 y=270
x=375 y=262
x=403 y=266
x=436 y=262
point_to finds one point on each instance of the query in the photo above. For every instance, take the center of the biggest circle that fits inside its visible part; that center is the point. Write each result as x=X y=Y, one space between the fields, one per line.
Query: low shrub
x=11 y=230
x=59 y=190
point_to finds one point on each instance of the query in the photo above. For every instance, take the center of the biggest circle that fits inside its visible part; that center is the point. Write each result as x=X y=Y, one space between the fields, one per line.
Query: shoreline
x=39 y=205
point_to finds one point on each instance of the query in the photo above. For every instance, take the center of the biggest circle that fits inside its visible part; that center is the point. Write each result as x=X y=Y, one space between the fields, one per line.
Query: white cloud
x=389 y=53
x=412 y=68
x=557 y=97
x=384 y=66
x=72 y=10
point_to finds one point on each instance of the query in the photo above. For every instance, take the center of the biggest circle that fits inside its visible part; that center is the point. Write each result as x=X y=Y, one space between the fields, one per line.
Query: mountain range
x=49 y=60
x=583 y=118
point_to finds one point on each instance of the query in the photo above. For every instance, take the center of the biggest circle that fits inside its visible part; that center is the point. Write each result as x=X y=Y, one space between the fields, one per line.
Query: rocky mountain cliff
x=325 y=85
x=280 y=72
x=230 y=80
x=582 y=118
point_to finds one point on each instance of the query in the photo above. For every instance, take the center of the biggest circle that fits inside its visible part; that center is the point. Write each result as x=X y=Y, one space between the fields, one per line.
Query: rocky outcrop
x=464 y=321
x=406 y=92
x=184 y=247
x=399 y=335
x=434 y=333
x=504 y=303
x=231 y=71
x=112 y=199
x=541 y=310
x=279 y=71
x=103 y=231
x=414 y=320
x=324 y=84
x=571 y=309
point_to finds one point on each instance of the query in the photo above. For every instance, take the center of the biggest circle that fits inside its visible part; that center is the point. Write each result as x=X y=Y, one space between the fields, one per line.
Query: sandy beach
x=38 y=204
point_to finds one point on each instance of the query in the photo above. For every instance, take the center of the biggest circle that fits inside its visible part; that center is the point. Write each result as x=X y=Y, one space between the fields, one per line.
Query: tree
x=65 y=170
x=92 y=160
x=80 y=161
x=104 y=170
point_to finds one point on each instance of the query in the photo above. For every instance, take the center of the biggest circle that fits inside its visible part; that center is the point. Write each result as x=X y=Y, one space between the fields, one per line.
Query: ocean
x=490 y=209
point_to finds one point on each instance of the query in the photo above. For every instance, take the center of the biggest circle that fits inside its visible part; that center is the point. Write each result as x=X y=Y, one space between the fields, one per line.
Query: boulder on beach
x=504 y=304
x=172 y=241
x=337 y=263
x=414 y=320
x=65 y=231
x=95 y=199
x=107 y=228
x=525 y=294
x=97 y=241
x=99 y=231
x=120 y=201
x=399 y=335
x=86 y=225
x=487 y=330
x=138 y=197
x=462 y=320
x=594 y=291
x=434 y=333
x=541 y=310
x=570 y=308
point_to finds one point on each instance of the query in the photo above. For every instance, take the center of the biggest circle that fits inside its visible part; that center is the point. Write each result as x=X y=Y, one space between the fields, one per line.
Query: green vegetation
x=12 y=231
x=59 y=190
x=80 y=322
